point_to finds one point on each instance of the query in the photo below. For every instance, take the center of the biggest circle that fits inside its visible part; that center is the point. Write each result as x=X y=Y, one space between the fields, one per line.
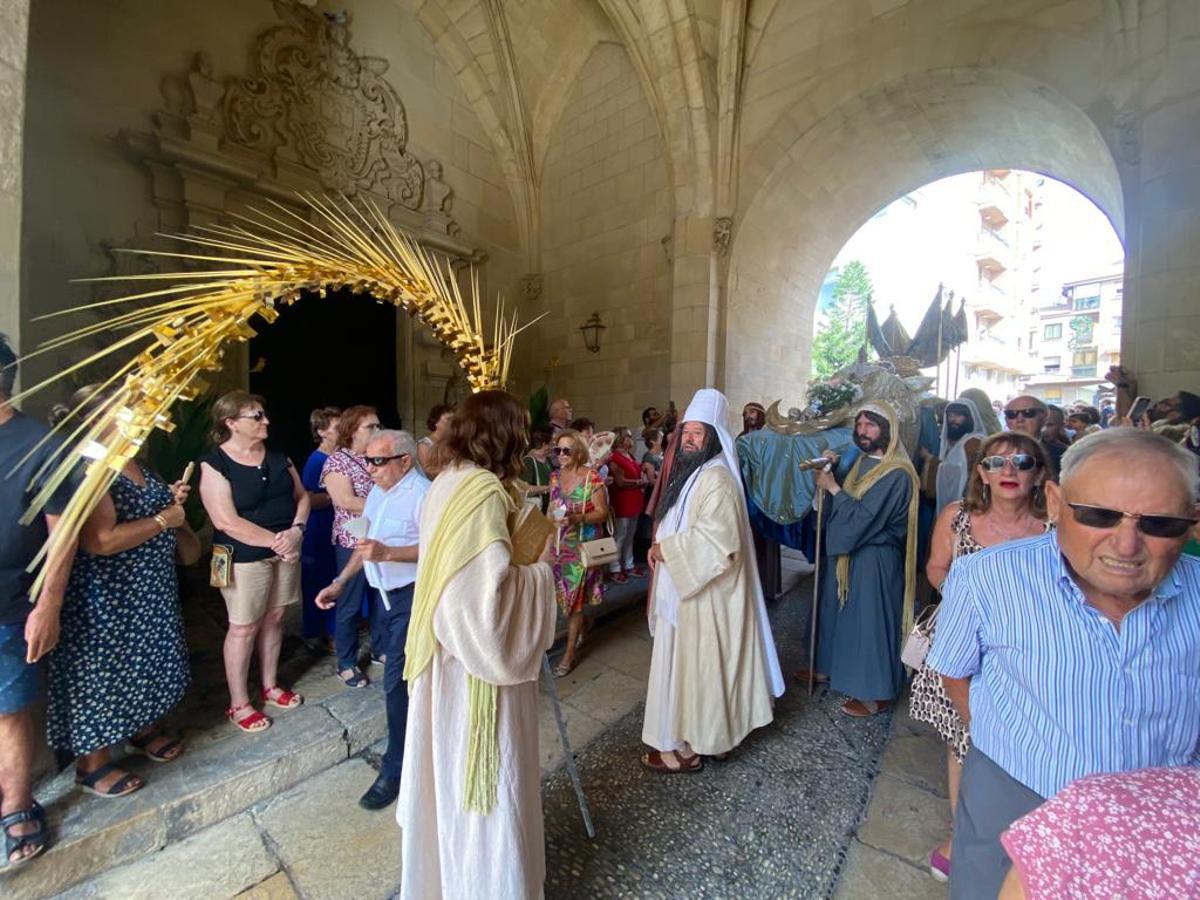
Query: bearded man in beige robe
x=714 y=669
x=470 y=805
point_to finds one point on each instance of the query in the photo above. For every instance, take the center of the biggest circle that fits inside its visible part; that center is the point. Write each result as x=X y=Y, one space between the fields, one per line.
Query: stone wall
x=606 y=210
x=14 y=26
x=100 y=69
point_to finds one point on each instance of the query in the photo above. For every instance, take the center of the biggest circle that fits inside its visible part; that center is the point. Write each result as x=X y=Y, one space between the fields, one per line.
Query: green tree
x=843 y=330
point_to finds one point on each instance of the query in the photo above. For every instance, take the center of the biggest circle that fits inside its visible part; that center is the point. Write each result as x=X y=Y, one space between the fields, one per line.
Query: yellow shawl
x=858 y=483
x=476 y=516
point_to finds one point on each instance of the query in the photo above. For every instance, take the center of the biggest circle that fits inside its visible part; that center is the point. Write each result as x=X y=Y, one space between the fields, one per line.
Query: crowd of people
x=1061 y=665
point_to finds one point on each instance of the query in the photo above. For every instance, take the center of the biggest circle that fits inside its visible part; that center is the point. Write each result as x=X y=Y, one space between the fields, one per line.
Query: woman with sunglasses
x=579 y=503
x=259 y=509
x=1004 y=501
x=346 y=477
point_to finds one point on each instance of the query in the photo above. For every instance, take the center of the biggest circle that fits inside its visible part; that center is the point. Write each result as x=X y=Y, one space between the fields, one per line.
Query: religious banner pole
x=552 y=690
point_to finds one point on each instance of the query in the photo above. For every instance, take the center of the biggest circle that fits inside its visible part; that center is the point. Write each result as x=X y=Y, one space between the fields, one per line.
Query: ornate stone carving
x=439 y=198
x=531 y=287
x=722 y=234
x=315 y=102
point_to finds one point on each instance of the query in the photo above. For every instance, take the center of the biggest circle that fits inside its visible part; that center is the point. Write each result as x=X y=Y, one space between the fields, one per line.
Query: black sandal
x=355 y=678
x=126 y=785
x=163 y=755
x=15 y=842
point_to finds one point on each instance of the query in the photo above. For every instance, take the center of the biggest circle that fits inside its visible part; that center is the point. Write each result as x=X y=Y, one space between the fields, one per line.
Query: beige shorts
x=259 y=586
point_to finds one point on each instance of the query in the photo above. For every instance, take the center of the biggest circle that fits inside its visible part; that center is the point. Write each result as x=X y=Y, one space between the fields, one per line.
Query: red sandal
x=251 y=723
x=280 y=698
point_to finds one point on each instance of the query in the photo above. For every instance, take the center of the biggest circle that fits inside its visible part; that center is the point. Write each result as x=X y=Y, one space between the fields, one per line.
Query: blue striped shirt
x=1056 y=691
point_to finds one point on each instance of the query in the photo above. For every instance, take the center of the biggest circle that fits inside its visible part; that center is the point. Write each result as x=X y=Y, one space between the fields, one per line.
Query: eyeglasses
x=1151 y=526
x=1022 y=462
x=1030 y=413
x=256 y=416
x=378 y=461
x=561 y=451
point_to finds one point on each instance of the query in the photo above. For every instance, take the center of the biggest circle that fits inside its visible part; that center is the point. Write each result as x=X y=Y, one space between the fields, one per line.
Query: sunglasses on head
x=378 y=461
x=1022 y=462
x=1151 y=526
x=561 y=451
x=256 y=416
x=1030 y=413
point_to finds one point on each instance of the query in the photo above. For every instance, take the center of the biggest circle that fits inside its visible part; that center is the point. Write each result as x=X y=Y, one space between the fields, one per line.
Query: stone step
x=221 y=775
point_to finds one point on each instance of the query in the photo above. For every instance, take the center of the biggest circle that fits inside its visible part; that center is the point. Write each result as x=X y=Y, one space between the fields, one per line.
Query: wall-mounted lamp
x=591 y=332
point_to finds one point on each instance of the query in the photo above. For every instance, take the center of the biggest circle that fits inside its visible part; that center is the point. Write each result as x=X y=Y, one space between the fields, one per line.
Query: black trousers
x=394 y=628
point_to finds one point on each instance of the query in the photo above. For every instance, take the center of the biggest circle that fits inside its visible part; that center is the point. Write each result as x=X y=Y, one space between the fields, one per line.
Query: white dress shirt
x=392 y=518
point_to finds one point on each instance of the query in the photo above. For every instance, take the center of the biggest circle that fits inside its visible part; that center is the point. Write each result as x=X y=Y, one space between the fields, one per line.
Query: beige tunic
x=494 y=621
x=709 y=681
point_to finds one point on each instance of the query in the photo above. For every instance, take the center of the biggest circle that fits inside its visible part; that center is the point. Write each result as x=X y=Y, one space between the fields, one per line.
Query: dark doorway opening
x=336 y=351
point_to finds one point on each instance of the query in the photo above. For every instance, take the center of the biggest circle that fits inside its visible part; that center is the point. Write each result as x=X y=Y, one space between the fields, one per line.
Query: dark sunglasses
x=1151 y=526
x=1011 y=414
x=256 y=416
x=561 y=451
x=1022 y=462
x=378 y=461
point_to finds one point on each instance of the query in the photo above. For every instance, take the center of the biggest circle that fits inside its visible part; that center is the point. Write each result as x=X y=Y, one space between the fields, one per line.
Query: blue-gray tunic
x=858 y=646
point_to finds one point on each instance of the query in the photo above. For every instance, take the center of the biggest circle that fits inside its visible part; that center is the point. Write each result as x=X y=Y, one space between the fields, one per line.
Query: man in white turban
x=714 y=668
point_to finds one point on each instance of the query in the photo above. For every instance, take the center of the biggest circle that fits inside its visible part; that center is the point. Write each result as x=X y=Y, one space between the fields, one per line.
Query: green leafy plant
x=843 y=332
x=168 y=453
x=539 y=407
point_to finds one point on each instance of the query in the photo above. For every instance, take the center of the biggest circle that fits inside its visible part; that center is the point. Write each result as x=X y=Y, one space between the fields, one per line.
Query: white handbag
x=602 y=550
x=920 y=639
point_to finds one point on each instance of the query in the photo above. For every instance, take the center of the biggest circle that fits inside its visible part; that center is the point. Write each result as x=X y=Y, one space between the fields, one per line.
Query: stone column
x=694 y=308
x=14 y=33
x=1161 y=334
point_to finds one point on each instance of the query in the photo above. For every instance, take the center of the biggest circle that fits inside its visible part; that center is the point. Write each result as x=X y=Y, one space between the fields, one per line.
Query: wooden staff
x=572 y=771
x=812 y=628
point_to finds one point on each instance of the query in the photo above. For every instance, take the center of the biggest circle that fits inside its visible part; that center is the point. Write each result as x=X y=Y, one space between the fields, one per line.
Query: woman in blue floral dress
x=579 y=503
x=121 y=663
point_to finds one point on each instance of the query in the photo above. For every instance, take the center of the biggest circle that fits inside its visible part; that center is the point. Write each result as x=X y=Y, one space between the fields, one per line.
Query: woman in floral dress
x=121 y=663
x=1004 y=501
x=579 y=503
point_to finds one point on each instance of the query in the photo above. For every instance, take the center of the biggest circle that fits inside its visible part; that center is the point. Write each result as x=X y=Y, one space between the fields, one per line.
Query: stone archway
x=888 y=141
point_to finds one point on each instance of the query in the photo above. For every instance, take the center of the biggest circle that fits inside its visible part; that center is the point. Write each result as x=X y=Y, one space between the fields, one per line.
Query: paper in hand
x=357 y=527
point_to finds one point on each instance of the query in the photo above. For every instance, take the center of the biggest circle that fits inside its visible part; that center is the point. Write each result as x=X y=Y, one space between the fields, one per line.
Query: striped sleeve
x=958 y=639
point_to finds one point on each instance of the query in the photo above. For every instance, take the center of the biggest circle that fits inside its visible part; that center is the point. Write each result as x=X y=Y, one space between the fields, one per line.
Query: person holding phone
x=119 y=668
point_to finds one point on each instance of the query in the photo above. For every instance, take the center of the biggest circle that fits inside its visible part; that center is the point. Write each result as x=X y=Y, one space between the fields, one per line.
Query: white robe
x=494 y=621
x=713 y=668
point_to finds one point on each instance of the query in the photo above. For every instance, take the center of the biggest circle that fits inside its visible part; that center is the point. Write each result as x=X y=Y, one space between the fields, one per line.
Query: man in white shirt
x=388 y=554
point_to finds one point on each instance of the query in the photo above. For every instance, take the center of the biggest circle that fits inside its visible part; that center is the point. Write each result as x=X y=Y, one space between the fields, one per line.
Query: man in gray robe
x=868 y=581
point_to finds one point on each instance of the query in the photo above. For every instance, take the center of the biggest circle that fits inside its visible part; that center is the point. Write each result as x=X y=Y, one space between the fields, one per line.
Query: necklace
x=1008 y=534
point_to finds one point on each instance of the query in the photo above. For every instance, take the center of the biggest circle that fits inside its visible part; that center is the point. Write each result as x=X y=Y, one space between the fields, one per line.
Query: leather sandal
x=127 y=784
x=280 y=698
x=353 y=677
x=164 y=754
x=252 y=722
x=861 y=709
x=683 y=764
x=38 y=838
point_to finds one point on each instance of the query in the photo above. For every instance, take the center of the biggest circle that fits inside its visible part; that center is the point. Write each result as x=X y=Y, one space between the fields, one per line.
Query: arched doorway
x=1030 y=274
x=890 y=141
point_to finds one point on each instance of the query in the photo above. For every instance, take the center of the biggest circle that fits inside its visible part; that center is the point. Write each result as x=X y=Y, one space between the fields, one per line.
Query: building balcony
x=993 y=353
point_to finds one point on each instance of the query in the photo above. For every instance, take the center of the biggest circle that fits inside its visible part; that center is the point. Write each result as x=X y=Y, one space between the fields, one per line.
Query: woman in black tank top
x=258 y=509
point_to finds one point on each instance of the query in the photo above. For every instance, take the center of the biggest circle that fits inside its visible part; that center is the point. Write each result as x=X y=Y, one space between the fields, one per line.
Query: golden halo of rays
x=264 y=258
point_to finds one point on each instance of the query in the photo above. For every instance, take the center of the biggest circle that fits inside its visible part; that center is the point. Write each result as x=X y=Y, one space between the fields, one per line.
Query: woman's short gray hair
x=1133 y=443
x=401 y=442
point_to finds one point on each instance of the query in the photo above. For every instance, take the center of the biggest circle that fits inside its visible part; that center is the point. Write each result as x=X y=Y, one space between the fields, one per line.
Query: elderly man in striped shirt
x=1077 y=652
